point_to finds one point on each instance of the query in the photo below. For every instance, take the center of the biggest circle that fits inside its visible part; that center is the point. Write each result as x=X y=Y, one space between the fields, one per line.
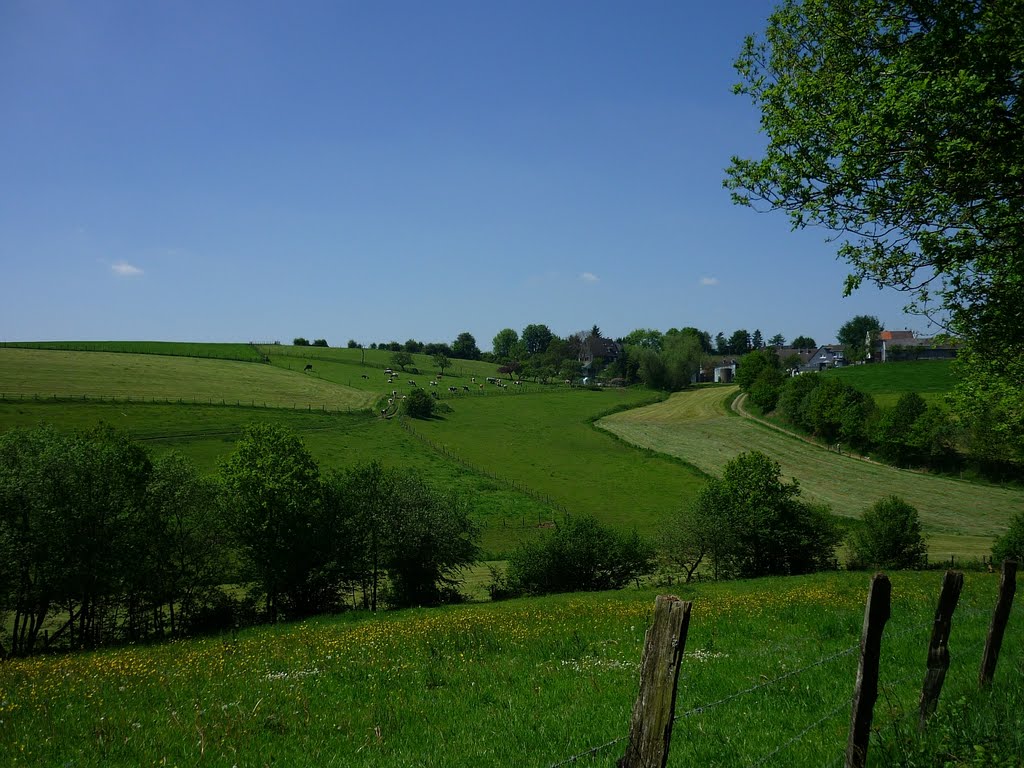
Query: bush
x=889 y=537
x=753 y=524
x=320 y=342
x=300 y=342
x=579 y=555
x=418 y=405
x=1010 y=546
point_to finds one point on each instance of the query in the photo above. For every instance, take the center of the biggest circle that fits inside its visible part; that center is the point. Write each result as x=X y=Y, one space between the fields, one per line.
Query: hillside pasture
x=958 y=517
x=207 y=434
x=766 y=676
x=885 y=382
x=49 y=373
x=217 y=350
x=547 y=442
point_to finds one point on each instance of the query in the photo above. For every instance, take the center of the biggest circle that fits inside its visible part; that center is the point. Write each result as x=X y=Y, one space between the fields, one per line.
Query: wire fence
x=899 y=707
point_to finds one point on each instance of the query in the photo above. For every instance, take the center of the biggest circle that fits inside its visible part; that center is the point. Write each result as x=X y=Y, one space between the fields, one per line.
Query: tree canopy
x=465 y=347
x=897 y=125
x=854 y=335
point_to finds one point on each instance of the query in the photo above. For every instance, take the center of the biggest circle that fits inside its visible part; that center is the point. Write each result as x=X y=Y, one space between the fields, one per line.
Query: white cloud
x=125 y=269
x=589 y=277
x=709 y=281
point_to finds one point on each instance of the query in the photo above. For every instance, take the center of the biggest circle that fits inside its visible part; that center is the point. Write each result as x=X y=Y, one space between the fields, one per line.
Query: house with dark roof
x=828 y=356
x=898 y=346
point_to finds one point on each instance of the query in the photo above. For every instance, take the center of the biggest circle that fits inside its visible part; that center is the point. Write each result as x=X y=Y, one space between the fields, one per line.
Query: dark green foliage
x=464 y=347
x=412 y=346
x=353 y=344
x=672 y=368
x=536 y=338
x=504 y=342
x=756 y=525
x=418 y=404
x=889 y=537
x=441 y=361
x=300 y=342
x=898 y=125
x=858 y=336
x=92 y=530
x=272 y=498
x=803 y=342
x=320 y=342
x=579 y=555
x=893 y=430
x=752 y=364
x=794 y=399
x=401 y=358
x=838 y=412
x=1010 y=546
x=400 y=538
x=766 y=389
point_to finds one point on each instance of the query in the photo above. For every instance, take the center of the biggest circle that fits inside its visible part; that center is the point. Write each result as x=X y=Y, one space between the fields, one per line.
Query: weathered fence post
x=650 y=728
x=938 y=650
x=876 y=614
x=1007 y=586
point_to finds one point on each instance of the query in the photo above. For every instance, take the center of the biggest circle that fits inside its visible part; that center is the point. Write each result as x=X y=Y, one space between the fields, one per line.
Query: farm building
x=897 y=346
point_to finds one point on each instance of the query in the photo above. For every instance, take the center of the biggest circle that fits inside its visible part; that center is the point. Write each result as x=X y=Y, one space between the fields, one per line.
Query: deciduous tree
x=898 y=125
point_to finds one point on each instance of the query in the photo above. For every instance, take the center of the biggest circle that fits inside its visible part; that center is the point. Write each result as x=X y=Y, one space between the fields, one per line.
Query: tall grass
x=766 y=679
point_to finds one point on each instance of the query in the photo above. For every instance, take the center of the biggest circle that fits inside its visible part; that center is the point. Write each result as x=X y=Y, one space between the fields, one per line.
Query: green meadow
x=766 y=679
x=886 y=382
x=523 y=456
x=84 y=375
x=960 y=518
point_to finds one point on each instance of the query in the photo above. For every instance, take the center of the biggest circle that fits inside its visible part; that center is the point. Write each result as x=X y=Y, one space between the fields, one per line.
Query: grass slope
x=46 y=373
x=959 y=517
x=547 y=442
x=767 y=675
x=886 y=382
x=225 y=351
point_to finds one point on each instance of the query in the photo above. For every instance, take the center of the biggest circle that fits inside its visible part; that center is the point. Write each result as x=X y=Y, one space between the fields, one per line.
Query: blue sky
x=234 y=171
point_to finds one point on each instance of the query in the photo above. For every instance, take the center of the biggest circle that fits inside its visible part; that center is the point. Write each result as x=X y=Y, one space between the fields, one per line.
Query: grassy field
x=224 y=351
x=931 y=379
x=766 y=678
x=206 y=434
x=48 y=373
x=547 y=442
x=959 y=518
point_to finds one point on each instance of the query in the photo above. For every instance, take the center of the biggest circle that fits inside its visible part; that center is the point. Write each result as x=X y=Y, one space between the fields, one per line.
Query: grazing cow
x=412 y=383
x=465 y=388
x=519 y=383
x=388 y=371
x=433 y=383
x=365 y=376
x=453 y=389
x=309 y=367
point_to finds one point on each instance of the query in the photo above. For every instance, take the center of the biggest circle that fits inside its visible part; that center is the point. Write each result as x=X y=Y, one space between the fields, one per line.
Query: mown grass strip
x=959 y=517
x=74 y=375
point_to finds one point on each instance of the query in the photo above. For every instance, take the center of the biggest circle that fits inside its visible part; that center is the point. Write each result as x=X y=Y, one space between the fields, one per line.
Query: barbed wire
x=592 y=752
x=802 y=733
x=705 y=707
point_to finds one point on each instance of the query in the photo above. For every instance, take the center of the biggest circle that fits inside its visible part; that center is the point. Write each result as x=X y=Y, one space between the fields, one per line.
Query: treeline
x=910 y=434
x=102 y=543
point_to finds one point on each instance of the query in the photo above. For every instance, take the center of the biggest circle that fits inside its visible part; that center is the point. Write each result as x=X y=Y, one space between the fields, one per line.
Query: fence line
x=886 y=688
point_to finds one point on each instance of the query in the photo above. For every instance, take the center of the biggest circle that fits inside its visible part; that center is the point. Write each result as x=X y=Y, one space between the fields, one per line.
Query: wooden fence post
x=1007 y=586
x=650 y=728
x=938 y=650
x=876 y=614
